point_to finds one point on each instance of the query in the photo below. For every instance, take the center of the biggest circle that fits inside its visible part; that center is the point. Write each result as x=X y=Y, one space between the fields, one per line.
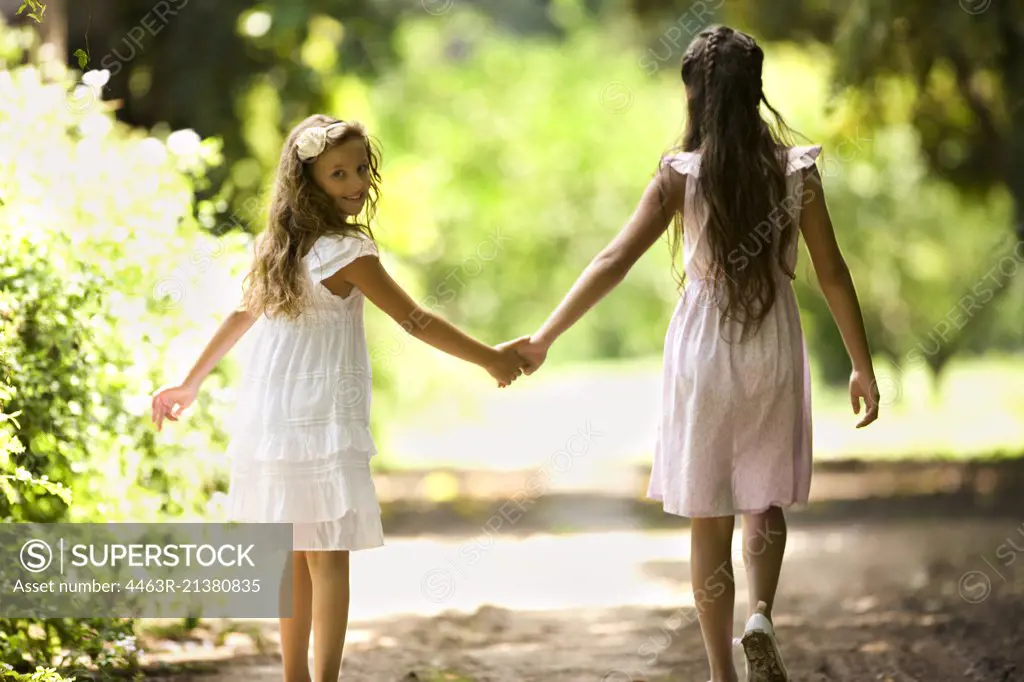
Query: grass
x=977 y=410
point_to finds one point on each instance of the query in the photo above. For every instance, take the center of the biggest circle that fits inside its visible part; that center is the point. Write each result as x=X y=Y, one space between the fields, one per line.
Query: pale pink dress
x=735 y=430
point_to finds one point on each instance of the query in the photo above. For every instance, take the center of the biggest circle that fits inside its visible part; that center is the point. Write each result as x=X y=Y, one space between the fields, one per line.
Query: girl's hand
x=533 y=351
x=170 y=402
x=507 y=364
x=863 y=386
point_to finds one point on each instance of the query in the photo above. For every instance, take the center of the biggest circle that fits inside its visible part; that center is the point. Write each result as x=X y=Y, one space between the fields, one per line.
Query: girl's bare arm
x=227 y=335
x=662 y=198
x=370 y=277
x=832 y=272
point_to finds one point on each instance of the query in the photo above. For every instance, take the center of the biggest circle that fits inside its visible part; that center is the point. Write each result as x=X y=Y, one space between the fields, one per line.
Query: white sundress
x=301 y=445
x=735 y=431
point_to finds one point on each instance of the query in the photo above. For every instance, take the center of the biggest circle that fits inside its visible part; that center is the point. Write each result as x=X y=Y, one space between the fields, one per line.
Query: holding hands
x=514 y=358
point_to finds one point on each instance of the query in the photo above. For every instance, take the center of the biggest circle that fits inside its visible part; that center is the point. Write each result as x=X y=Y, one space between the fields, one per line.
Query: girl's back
x=735 y=433
x=736 y=408
x=698 y=256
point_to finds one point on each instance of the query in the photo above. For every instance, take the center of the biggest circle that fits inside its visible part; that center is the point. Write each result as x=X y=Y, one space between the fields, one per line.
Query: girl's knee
x=775 y=514
x=713 y=524
x=327 y=561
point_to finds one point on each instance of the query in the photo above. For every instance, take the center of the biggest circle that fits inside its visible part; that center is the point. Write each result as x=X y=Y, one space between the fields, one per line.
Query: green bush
x=9 y=673
x=58 y=361
x=95 y=644
x=101 y=274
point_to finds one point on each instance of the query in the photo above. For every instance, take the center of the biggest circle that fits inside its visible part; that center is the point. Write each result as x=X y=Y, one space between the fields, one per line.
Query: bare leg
x=329 y=571
x=714 y=591
x=295 y=630
x=764 y=543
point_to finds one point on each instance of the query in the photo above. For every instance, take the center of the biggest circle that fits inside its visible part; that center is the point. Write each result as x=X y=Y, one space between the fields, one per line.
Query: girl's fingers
x=158 y=403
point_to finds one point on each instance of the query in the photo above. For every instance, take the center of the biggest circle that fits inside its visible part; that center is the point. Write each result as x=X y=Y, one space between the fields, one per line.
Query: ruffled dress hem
x=677 y=510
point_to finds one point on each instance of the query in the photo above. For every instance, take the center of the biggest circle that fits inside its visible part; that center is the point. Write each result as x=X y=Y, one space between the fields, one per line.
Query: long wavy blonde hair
x=300 y=213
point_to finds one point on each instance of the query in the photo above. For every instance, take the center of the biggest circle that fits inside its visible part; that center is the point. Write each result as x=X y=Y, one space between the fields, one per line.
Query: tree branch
x=989 y=130
x=951 y=347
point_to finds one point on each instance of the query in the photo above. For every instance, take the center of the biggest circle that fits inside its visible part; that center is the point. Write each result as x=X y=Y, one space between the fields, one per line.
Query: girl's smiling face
x=343 y=172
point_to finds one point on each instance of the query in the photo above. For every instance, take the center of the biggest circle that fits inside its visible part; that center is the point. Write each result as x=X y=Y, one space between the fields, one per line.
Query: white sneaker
x=764 y=662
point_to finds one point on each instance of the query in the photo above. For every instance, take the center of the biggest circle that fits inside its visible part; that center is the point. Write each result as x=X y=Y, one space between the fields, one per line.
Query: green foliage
x=102 y=271
x=542 y=144
x=38 y=487
x=965 y=65
x=945 y=83
x=955 y=70
x=35 y=9
x=50 y=331
x=88 y=318
x=919 y=251
x=68 y=644
x=205 y=56
x=40 y=674
x=551 y=166
x=500 y=207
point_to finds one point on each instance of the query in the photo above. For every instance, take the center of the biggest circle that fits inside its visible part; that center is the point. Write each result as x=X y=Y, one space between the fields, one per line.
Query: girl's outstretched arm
x=369 y=276
x=170 y=401
x=661 y=200
x=837 y=286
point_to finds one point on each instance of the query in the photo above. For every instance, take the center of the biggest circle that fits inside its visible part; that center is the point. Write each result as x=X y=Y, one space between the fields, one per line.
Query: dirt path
x=899 y=601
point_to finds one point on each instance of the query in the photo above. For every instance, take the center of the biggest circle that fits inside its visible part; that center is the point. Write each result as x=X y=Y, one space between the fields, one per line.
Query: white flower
x=96 y=79
x=184 y=142
x=311 y=142
x=153 y=151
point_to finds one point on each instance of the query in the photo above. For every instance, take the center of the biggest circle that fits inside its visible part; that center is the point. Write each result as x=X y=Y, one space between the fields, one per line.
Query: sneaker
x=764 y=662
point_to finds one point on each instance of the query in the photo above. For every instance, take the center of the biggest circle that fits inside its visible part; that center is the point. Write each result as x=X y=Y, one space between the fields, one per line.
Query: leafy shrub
x=100 y=275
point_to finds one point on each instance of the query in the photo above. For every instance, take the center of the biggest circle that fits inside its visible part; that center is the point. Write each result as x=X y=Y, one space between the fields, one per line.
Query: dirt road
x=926 y=600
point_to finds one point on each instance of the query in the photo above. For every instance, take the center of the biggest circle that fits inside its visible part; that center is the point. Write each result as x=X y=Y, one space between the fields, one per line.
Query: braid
x=709 y=67
x=754 y=58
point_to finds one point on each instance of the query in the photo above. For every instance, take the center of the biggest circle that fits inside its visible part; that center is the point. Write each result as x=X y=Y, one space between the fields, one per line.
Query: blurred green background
x=137 y=141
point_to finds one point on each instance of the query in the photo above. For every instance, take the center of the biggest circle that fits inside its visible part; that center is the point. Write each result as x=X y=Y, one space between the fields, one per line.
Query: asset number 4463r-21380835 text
x=193 y=585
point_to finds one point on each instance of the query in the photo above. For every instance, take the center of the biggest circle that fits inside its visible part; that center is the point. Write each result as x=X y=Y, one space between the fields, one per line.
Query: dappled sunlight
x=581 y=425
x=431 y=575
x=516 y=140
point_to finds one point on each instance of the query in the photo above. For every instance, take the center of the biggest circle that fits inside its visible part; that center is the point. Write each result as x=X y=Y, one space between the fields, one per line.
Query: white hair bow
x=311 y=142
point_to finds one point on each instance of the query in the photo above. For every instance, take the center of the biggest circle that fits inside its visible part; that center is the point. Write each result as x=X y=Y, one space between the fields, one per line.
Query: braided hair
x=708 y=57
x=742 y=179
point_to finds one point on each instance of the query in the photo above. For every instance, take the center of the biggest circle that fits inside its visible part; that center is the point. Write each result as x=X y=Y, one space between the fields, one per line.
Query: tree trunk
x=55 y=26
x=1014 y=84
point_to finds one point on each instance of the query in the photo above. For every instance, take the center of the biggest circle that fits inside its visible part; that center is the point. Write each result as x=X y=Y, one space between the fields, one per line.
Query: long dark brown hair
x=742 y=177
x=300 y=213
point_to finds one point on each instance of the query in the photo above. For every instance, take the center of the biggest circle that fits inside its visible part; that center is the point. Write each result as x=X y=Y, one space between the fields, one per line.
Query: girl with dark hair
x=735 y=431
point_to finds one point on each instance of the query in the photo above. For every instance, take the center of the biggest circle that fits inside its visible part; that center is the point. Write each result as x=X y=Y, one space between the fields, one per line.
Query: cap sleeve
x=686 y=163
x=798 y=158
x=801 y=158
x=333 y=252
